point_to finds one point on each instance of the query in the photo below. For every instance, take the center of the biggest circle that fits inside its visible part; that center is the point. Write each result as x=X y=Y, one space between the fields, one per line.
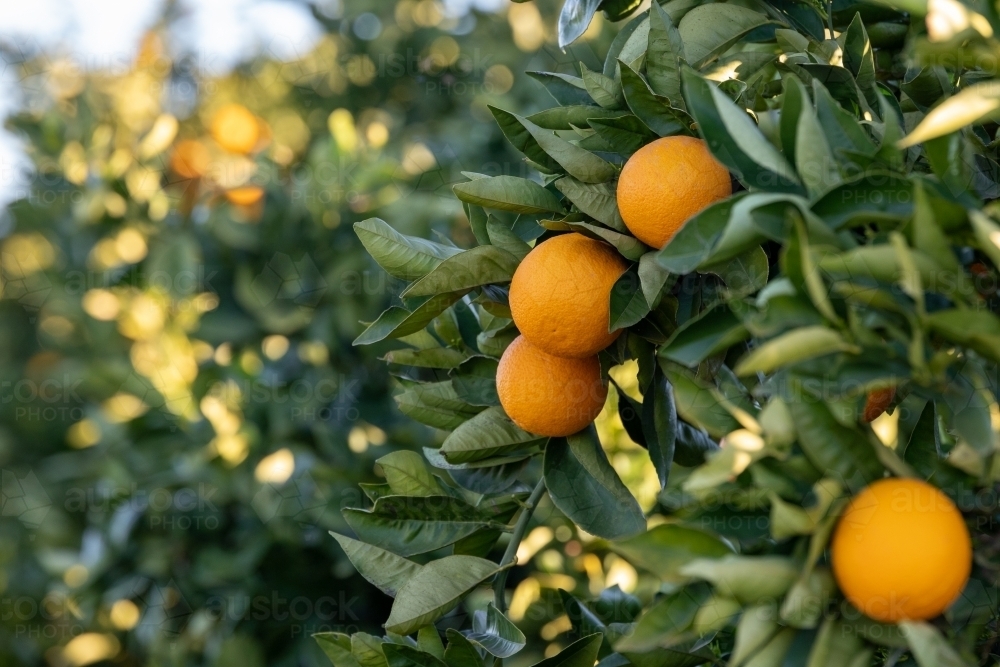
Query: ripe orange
x=877 y=402
x=235 y=128
x=666 y=182
x=190 y=159
x=560 y=295
x=901 y=551
x=549 y=395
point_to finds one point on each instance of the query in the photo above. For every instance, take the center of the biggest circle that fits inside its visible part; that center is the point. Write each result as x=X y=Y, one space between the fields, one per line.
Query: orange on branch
x=560 y=295
x=665 y=183
x=901 y=551
x=548 y=395
x=190 y=159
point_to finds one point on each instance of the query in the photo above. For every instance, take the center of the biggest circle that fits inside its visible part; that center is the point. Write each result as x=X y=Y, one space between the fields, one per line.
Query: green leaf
x=337 y=647
x=857 y=54
x=429 y=641
x=791 y=348
x=653 y=279
x=435 y=357
x=882 y=263
x=397 y=322
x=435 y=590
x=760 y=641
x=666 y=622
x=628 y=304
x=967 y=107
x=837 y=645
x=711 y=332
x=490 y=433
x=831 y=446
x=663 y=550
x=663 y=56
x=508 y=193
x=504 y=238
x=987 y=234
x=411 y=526
x=581 y=653
x=407 y=474
x=929 y=646
x=460 y=651
x=436 y=404
x=977 y=329
x=568 y=118
x=474 y=381
x=699 y=403
x=734 y=138
x=482 y=265
x=383 y=569
x=594 y=199
x=519 y=137
x=564 y=88
x=405 y=257
x=743 y=275
x=577 y=162
x=693 y=446
x=495 y=633
x=748 y=579
x=628 y=246
x=603 y=89
x=574 y=19
x=710 y=29
x=584 y=486
x=659 y=425
x=367 y=650
x=653 y=110
x=637 y=28
x=626 y=133
x=814 y=160
x=694 y=242
x=404 y=655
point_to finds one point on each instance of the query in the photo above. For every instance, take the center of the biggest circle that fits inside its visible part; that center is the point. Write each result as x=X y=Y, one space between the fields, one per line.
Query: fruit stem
x=510 y=555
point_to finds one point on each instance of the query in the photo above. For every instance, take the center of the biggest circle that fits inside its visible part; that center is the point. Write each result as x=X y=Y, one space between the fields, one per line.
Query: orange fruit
x=877 y=402
x=235 y=128
x=901 y=551
x=190 y=159
x=245 y=196
x=548 y=395
x=560 y=295
x=666 y=182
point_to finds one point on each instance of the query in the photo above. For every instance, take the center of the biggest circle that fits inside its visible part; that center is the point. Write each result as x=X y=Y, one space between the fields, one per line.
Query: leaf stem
x=510 y=555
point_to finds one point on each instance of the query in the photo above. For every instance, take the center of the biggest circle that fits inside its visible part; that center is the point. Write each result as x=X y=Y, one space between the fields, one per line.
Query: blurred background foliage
x=182 y=414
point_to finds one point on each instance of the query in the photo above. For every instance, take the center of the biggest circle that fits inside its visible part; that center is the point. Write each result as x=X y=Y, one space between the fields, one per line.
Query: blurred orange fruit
x=235 y=128
x=560 y=295
x=548 y=395
x=190 y=159
x=245 y=196
x=666 y=182
x=901 y=551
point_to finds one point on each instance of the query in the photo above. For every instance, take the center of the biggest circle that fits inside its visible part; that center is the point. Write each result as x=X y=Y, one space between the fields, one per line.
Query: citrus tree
x=761 y=212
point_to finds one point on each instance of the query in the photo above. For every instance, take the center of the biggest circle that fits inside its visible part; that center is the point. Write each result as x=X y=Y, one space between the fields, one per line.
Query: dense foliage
x=858 y=254
x=181 y=412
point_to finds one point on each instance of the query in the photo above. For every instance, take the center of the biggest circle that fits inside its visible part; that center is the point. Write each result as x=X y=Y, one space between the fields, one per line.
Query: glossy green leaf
x=411 y=526
x=508 y=193
x=584 y=486
x=405 y=257
x=831 y=446
x=663 y=56
x=793 y=347
x=337 y=647
x=710 y=29
x=664 y=549
x=495 y=633
x=482 y=265
x=490 y=433
x=653 y=110
x=435 y=590
x=574 y=19
x=408 y=474
x=565 y=89
x=712 y=331
x=659 y=422
x=397 y=322
x=594 y=199
x=749 y=579
x=436 y=404
x=628 y=304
